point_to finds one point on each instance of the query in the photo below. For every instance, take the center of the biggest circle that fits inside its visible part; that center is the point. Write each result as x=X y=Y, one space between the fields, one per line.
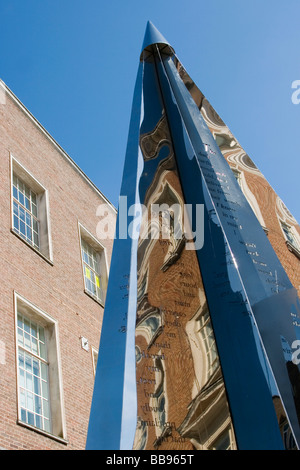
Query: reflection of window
x=39 y=383
x=240 y=177
x=160 y=394
x=94 y=266
x=289 y=235
x=141 y=435
x=209 y=343
x=223 y=442
x=288 y=439
x=237 y=175
x=30 y=212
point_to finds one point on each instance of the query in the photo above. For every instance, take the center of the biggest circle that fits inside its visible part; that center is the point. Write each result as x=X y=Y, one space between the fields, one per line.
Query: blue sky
x=73 y=63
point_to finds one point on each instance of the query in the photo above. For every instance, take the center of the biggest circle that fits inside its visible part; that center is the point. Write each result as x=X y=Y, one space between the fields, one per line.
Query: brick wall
x=56 y=288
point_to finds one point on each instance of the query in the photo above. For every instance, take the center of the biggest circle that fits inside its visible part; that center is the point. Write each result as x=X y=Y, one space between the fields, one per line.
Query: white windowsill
x=32 y=247
x=44 y=433
x=100 y=302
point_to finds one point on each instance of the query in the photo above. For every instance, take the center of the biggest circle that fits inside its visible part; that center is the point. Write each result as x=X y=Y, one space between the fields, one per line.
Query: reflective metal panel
x=181 y=396
x=195 y=288
x=258 y=272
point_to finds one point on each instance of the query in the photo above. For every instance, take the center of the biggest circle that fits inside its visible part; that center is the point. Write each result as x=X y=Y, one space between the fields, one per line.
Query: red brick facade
x=54 y=286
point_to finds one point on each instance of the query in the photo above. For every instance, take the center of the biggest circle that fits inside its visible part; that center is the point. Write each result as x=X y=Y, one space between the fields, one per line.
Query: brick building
x=54 y=275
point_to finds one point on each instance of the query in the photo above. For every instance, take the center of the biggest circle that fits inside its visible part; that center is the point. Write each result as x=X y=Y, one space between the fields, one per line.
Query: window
x=94 y=266
x=25 y=221
x=38 y=366
x=33 y=374
x=91 y=269
x=30 y=211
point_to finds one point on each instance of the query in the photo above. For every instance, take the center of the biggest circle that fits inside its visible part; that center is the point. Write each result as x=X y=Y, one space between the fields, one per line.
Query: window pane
x=22 y=399
x=23 y=415
x=28 y=233
x=22 y=378
x=21 y=198
x=27 y=203
x=47 y=425
x=16 y=223
x=43 y=352
x=46 y=410
x=21 y=359
x=38 y=421
x=44 y=389
x=28 y=219
x=34 y=329
x=27 y=192
x=36 y=369
x=29 y=401
x=38 y=405
x=27 y=325
x=43 y=371
x=22 y=228
x=30 y=419
x=29 y=382
x=16 y=208
x=35 y=239
x=20 y=336
x=27 y=340
x=20 y=321
x=41 y=334
x=34 y=210
x=35 y=225
x=36 y=385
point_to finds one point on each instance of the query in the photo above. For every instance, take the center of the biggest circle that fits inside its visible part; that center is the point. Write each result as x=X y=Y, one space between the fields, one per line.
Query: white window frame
x=32 y=312
x=45 y=242
x=100 y=250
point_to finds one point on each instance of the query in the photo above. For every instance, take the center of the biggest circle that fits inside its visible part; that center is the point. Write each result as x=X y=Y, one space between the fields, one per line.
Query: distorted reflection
x=180 y=391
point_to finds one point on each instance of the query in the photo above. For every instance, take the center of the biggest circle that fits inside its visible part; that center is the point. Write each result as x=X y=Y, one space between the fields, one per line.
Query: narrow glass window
x=91 y=271
x=25 y=221
x=34 y=405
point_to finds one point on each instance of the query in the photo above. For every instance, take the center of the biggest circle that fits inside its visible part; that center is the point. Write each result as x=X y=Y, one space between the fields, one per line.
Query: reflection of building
x=181 y=395
x=280 y=226
x=54 y=274
x=182 y=401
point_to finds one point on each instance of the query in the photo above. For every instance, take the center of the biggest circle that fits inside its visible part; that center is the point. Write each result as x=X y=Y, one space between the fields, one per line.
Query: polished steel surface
x=181 y=396
x=212 y=320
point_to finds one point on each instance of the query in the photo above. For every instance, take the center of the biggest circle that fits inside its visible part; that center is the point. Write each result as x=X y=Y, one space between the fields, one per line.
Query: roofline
x=53 y=141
